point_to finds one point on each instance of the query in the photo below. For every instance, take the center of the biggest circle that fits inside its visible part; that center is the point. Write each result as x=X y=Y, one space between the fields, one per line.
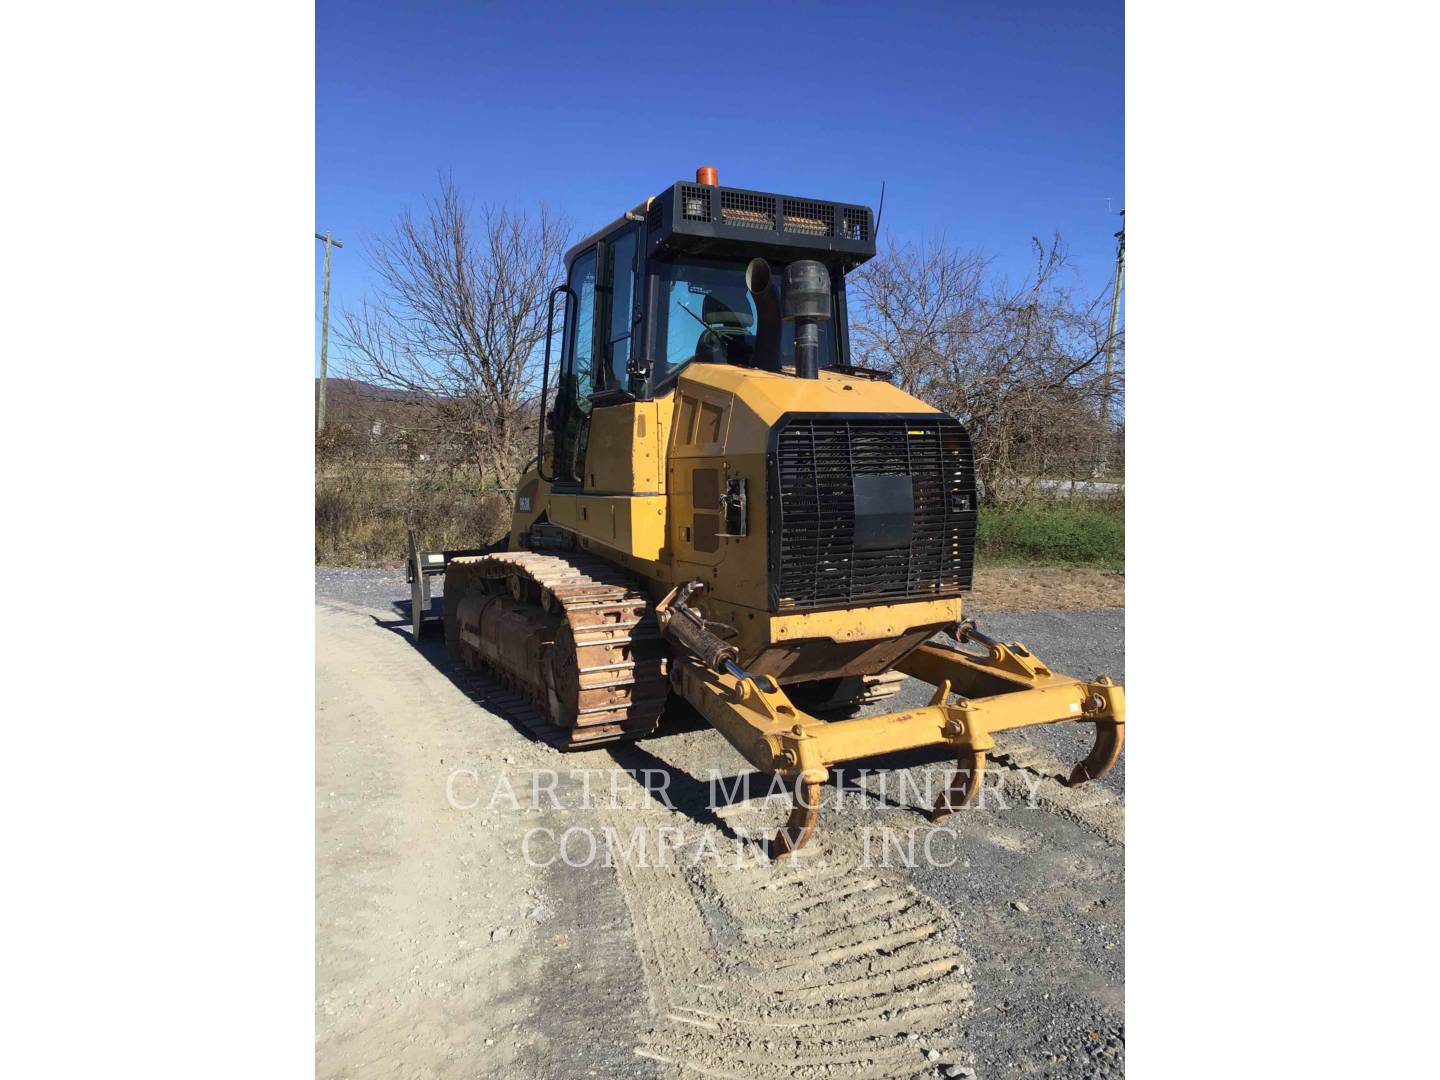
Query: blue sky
x=991 y=121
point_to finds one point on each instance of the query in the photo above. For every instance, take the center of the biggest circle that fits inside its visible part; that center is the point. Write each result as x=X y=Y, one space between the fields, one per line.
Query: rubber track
x=597 y=602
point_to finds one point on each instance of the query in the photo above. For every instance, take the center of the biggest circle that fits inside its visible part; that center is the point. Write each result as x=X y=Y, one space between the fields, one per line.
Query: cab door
x=623 y=453
x=616 y=293
x=576 y=381
x=609 y=446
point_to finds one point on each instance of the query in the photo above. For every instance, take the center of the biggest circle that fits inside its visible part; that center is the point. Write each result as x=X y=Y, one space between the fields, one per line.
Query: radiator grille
x=814 y=562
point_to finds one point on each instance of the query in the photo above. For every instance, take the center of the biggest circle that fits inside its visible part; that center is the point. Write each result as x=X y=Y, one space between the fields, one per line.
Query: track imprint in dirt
x=1030 y=772
x=825 y=966
x=813 y=967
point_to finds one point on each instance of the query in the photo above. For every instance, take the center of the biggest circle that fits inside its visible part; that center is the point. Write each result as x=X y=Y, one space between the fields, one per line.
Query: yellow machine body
x=646 y=488
x=646 y=461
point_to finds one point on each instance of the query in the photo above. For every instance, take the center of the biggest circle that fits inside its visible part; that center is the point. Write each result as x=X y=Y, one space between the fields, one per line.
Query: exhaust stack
x=764 y=287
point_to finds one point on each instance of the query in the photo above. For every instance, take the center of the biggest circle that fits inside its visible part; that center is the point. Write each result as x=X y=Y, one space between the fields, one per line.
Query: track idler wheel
x=800 y=826
x=964 y=786
x=1109 y=739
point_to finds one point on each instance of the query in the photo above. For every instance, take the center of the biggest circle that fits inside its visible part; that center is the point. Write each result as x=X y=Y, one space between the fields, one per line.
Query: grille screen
x=718 y=221
x=857 y=224
x=747 y=210
x=815 y=561
x=812 y=218
x=695 y=202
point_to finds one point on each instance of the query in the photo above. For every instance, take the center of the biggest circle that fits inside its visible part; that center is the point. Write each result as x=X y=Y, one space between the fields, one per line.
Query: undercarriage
x=582 y=641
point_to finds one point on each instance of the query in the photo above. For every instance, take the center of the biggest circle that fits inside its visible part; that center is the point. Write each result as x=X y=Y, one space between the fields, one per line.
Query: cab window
x=576 y=379
x=620 y=285
x=706 y=313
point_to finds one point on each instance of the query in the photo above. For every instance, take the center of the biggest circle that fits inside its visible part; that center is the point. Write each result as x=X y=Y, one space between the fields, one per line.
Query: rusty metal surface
x=846 y=695
x=812 y=659
x=575 y=635
x=964 y=786
x=1109 y=740
x=800 y=826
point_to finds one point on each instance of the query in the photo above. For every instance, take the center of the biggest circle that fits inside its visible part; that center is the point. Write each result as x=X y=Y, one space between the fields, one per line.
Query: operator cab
x=700 y=274
x=705 y=312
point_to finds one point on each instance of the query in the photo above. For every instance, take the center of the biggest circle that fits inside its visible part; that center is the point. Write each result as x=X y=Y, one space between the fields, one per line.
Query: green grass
x=1050 y=534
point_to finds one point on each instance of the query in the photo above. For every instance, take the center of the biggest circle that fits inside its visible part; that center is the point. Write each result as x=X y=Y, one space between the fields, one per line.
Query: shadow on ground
x=697 y=799
x=693 y=797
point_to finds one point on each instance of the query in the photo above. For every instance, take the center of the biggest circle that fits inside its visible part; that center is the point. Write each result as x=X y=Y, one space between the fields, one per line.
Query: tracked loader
x=725 y=509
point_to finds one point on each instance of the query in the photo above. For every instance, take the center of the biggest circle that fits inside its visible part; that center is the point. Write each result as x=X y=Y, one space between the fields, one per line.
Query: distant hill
x=354 y=392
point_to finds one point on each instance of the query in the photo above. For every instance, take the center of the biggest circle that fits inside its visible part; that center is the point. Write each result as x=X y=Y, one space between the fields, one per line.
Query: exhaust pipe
x=766 y=290
x=807 y=305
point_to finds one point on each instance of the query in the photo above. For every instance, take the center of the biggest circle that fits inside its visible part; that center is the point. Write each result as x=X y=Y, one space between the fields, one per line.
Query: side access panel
x=696 y=479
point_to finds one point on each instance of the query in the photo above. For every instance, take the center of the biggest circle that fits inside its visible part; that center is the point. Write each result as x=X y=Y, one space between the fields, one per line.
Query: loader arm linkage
x=1006 y=687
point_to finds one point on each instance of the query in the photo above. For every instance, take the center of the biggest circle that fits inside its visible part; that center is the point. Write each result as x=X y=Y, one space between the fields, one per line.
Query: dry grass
x=1038 y=588
x=361 y=512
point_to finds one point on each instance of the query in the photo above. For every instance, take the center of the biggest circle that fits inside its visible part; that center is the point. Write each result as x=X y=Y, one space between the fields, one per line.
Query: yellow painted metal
x=652 y=473
x=763 y=397
x=881 y=621
x=775 y=736
x=723 y=419
x=626 y=449
x=716 y=420
x=757 y=628
x=628 y=524
x=531 y=497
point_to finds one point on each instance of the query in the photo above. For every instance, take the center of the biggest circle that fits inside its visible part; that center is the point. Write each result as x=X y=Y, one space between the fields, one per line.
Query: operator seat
x=729 y=340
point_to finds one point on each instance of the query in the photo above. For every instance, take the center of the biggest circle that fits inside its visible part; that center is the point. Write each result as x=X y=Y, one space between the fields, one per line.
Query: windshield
x=706 y=313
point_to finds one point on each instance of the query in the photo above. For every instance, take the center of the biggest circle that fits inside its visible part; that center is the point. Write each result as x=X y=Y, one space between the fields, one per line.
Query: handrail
x=545 y=371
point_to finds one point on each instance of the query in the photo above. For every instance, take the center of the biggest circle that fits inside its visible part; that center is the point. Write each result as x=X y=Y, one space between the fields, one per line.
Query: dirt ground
x=442 y=950
x=1045 y=588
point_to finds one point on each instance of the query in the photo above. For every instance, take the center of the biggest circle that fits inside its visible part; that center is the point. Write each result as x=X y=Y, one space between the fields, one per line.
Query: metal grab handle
x=545 y=371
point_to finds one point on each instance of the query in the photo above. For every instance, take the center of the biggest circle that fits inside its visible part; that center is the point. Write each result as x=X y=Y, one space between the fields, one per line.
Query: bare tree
x=916 y=307
x=1022 y=366
x=457 y=320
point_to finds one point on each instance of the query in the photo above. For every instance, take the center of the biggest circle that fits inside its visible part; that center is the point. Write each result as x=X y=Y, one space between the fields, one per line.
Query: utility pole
x=325 y=330
x=1114 y=326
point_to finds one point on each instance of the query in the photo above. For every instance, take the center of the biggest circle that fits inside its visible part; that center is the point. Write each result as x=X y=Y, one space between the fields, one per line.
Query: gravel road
x=1081 y=643
x=442 y=951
